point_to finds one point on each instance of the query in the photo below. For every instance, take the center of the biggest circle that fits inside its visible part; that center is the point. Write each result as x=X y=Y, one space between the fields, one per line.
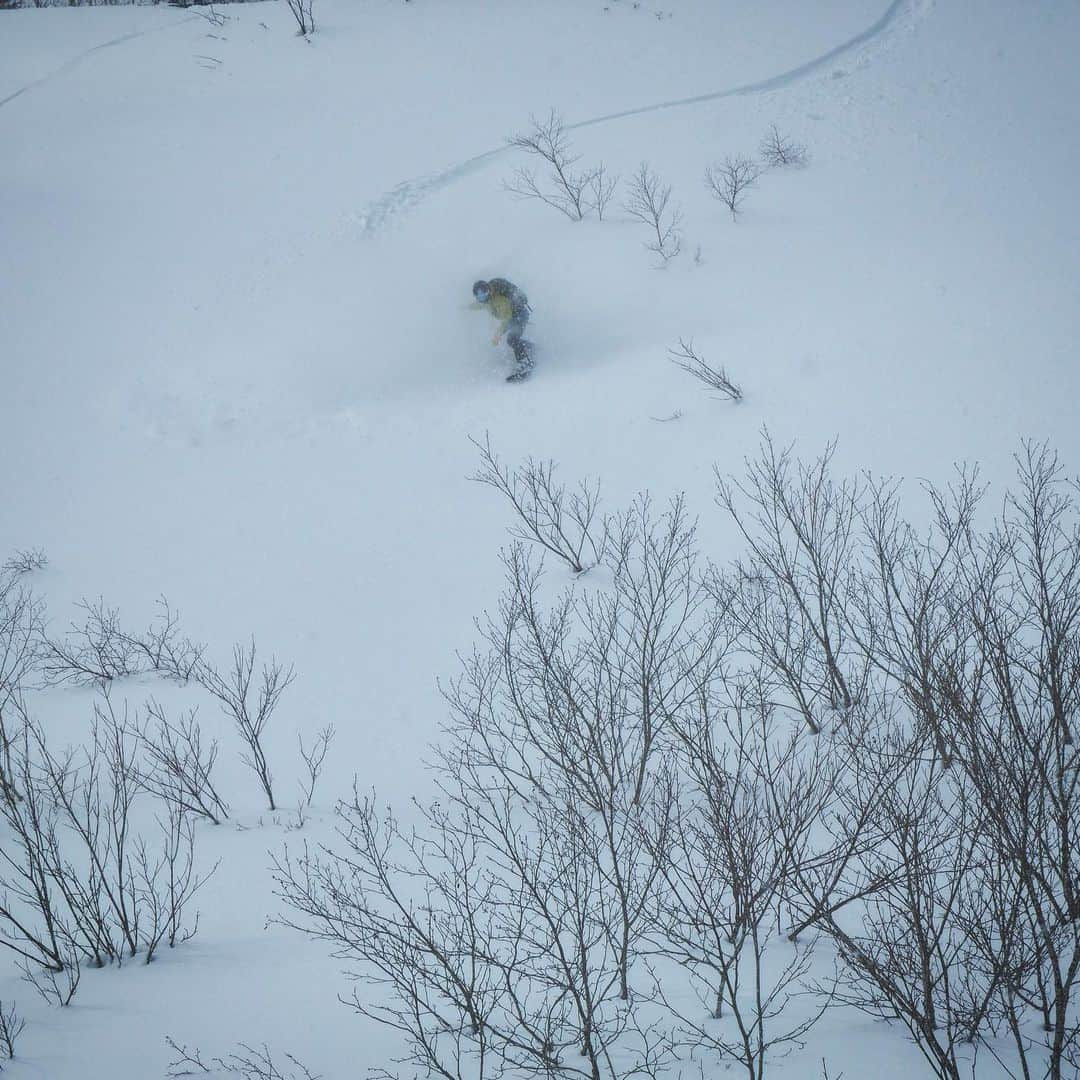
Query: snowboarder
x=507 y=303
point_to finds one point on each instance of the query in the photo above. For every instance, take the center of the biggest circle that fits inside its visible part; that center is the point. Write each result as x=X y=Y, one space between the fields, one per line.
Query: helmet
x=481 y=290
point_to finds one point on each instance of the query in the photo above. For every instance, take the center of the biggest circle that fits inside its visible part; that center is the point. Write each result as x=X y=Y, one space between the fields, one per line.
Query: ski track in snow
x=409 y=193
x=76 y=60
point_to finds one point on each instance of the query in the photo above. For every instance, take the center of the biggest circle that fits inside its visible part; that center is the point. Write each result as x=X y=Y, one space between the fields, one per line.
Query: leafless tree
x=618 y=790
x=907 y=613
x=565 y=523
x=1011 y=699
x=423 y=948
x=582 y=693
x=779 y=151
x=791 y=597
x=914 y=957
x=249 y=708
x=175 y=765
x=485 y=936
x=951 y=655
x=648 y=202
x=747 y=810
x=730 y=180
x=717 y=378
x=602 y=188
x=305 y=20
x=572 y=193
x=11 y=1027
x=313 y=761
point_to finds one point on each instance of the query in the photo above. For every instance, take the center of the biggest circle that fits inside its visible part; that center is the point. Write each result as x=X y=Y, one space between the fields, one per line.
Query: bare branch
x=717 y=378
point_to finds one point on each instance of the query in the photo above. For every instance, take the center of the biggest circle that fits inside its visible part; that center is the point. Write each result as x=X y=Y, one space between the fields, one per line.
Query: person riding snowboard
x=507 y=303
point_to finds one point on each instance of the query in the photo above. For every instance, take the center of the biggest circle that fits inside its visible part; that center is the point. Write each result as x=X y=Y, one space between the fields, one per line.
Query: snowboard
x=524 y=365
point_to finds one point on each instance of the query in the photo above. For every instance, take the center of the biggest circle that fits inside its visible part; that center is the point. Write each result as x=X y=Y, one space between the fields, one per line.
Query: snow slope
x=238 y=368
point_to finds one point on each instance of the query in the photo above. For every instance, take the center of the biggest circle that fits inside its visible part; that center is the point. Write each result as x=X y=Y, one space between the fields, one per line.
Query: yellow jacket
x=499 y=308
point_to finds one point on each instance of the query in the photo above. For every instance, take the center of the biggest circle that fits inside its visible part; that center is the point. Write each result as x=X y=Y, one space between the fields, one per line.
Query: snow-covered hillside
x=239 y=367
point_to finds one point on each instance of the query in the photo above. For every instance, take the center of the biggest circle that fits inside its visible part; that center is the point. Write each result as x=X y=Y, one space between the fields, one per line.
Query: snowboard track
x=409 y=193
x=67 y=65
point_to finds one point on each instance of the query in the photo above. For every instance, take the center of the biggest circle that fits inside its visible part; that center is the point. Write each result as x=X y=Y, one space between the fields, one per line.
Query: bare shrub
x=500 y=934
x=730 y=180
x=602 y=189
x=187 y=1060
x=621 y=799
x=163 y=649
x=30 y=912
x=588 y=689
x=313 y=761
x=572 y=193
x=1011 y=695
x=176 y=764
x=11 y=1027
x=779 y=151
x=250 y=1063
x=249 y=708
x=20 y=631
x=301 y=12
x=648 y=203
x=731 y=850
x=791 y=598
x=95 y=652
x=504 y=965
x=564 y=523
x=717 y=378
x=100 y=650
x=247 y=1062
x=913 y=955
x=26 y=561
x=167 y=883
x=55 y=987
x=79 y=884
x=951 y=655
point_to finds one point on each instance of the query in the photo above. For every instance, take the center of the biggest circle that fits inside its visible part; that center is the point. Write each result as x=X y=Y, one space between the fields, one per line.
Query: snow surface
x=239 y=369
